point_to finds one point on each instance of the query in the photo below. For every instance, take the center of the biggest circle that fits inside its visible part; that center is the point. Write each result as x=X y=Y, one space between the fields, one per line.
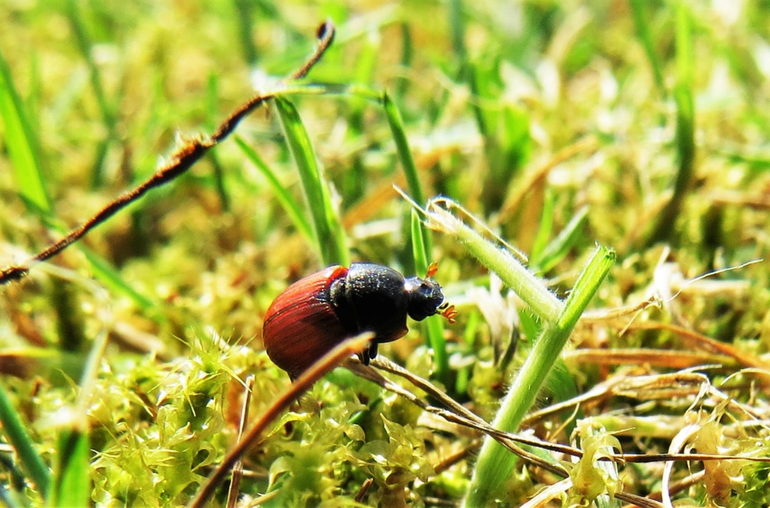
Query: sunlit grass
x=561 y=128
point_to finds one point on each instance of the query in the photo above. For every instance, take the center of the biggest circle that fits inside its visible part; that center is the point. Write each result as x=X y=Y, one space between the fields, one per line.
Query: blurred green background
x=641 y=126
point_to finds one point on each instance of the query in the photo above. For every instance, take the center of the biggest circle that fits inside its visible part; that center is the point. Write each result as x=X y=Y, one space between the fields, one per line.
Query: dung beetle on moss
x=319 y=311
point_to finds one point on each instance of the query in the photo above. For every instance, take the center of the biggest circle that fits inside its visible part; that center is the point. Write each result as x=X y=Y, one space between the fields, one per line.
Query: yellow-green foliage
x=160 y=427
x=636 y=125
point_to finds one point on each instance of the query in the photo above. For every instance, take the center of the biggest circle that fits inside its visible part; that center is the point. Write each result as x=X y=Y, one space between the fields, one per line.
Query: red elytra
x=303 y=310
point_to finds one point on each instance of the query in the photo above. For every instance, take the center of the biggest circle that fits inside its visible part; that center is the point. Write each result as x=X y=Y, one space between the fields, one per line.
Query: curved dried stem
x=181 y=160
x=292 y=393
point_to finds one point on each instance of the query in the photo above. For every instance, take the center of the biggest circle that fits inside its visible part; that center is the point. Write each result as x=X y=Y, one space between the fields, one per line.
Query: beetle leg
x=368 y=353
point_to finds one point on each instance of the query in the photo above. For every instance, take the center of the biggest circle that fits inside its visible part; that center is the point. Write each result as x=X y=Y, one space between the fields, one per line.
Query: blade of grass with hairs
x=495 y=462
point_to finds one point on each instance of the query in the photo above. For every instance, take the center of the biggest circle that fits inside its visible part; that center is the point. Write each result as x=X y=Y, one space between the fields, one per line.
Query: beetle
x=317 y=312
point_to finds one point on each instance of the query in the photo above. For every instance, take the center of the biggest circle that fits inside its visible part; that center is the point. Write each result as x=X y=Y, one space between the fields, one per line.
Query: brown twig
x=182 y=160
x=458 y=414
x=235 y=483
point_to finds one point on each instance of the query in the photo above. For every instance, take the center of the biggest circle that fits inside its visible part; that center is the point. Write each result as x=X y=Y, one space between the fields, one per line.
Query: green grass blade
x=22 y=144
x=643 y=31
x=505 y=127
x=434 y=328
x=558 y=248
x=471 y=332
x=14 y=430
x=407 y=163
x=407 y=52
x=111 y=278
x=245 y=27
x=105 y=109
x=421 y=261
x=84 y=46
x=495 y=462
x=72 y=482
x=586 y=286
x=402 y=147
x=330 y=236
x=367 y=60
x=544 y=228
x=285 y=199
x=457 y=27
x=685 y=124
x=211 y=113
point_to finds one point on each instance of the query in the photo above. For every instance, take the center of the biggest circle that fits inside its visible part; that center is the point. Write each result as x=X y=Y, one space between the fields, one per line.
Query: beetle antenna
x=432 y=270
x=448 y=312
